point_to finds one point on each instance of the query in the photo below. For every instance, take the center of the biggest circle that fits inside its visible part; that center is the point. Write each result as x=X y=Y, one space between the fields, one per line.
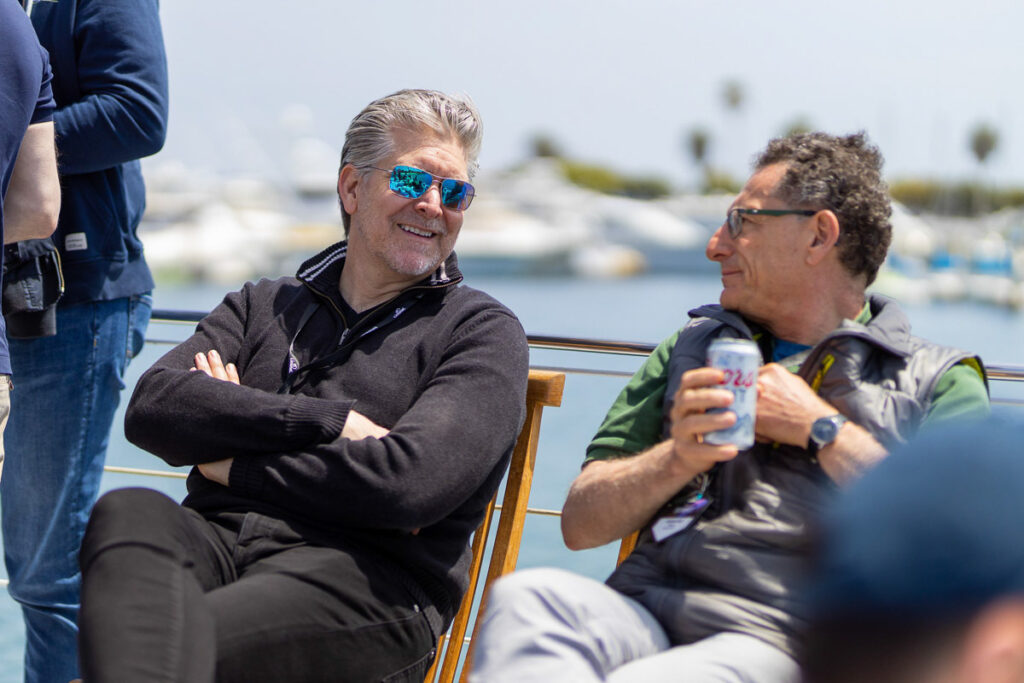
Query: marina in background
x=645 y=308
x=530 y=220
x=570 y=261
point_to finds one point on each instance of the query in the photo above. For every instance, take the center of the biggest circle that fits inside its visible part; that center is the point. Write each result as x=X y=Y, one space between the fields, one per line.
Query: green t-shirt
x=634 y=422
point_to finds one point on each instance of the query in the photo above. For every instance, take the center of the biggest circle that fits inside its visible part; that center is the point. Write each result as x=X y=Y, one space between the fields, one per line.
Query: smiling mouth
x=416 y=231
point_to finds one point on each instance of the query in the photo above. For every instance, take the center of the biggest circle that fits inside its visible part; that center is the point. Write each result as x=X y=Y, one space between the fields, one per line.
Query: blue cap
x=935 y=527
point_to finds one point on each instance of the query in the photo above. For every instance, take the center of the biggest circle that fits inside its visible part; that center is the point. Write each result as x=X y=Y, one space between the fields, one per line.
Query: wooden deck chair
x=626 y=547
x=544 y=389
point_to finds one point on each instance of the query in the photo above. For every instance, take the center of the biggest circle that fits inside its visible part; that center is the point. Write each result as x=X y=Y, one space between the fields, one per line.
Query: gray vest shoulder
x=879 y=375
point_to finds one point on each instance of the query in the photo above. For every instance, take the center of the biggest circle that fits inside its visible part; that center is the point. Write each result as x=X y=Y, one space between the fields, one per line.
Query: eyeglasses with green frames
x=734 y=219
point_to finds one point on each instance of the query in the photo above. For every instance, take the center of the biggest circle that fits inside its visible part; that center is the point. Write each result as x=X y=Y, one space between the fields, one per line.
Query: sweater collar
x=323 y=271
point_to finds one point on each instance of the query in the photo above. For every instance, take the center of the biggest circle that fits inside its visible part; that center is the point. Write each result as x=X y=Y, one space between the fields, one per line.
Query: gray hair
x=843 y=174
x=369 y=137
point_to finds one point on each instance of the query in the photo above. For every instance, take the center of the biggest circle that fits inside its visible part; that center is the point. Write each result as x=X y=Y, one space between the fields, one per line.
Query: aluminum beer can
x=740 y=359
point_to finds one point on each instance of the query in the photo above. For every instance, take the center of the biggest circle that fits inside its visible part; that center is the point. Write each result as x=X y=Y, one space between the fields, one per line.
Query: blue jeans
x=66 y=390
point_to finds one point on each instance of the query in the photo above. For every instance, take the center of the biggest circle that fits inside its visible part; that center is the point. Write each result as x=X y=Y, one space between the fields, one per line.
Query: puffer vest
x=739 y=567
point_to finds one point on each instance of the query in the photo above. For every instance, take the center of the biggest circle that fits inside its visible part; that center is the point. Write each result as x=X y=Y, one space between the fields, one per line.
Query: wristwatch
x=824 y=431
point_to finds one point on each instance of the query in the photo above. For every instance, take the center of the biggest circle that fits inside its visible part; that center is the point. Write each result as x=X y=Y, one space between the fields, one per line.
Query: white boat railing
x=996 y=372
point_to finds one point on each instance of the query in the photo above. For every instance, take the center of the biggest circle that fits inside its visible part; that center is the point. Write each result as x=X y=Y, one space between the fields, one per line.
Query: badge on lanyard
x=679 y=518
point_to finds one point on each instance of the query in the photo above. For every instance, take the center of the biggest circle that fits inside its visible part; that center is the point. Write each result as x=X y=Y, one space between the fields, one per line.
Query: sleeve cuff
x=307 y=419
x=246 y=476
x=316 y=420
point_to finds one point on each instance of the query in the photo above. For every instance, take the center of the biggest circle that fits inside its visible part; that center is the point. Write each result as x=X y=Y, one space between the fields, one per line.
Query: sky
x=619 y=83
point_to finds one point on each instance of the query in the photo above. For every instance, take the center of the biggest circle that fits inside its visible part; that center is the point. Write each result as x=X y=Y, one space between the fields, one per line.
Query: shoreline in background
x=532 y=221
x=645 y=308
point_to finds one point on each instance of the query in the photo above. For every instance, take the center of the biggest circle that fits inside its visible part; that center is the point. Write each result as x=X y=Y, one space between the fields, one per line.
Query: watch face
x=825 y=429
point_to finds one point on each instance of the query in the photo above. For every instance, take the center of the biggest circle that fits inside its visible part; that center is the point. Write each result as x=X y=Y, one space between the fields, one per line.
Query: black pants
x=170 y=596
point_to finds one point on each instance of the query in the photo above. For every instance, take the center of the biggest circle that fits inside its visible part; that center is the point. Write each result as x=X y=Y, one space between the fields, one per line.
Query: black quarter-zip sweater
x=442 y=366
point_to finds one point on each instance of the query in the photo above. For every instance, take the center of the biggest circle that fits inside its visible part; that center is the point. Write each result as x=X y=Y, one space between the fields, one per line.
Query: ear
x=348 y=181
x=825 y=226
x=993 y=651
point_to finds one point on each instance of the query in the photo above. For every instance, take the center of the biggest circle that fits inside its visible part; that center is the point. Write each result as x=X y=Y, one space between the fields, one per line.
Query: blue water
x=642 y=309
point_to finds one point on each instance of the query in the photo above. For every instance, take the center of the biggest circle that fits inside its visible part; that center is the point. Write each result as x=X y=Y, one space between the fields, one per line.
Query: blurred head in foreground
x=921 y=565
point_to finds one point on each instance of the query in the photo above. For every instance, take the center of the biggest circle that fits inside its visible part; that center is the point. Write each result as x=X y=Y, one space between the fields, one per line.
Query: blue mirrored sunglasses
x=412 y=182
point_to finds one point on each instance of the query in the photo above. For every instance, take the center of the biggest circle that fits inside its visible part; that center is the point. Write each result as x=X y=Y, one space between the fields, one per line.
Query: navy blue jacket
x=24 y=99
x=110 y=85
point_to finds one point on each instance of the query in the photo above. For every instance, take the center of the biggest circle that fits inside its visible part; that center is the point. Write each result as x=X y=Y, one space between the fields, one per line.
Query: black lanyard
x=291 y=371
x=293 y=368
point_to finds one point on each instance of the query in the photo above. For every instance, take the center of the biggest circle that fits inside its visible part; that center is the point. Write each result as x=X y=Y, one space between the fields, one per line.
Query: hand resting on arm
x=357 y=426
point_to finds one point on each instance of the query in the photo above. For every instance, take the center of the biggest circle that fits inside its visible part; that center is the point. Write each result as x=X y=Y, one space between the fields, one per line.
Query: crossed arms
x=321 y=452
x=356 y=427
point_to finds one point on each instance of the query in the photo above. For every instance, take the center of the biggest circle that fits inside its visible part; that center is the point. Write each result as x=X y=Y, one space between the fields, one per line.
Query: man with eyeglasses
x=347 y=428
x=711 y=592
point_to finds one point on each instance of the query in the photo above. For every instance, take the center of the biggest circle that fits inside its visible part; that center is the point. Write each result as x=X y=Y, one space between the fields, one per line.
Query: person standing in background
x=28 y=168
x=110 y=87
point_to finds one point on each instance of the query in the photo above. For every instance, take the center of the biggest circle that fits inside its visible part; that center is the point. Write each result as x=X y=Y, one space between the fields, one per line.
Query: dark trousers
x=170 y=596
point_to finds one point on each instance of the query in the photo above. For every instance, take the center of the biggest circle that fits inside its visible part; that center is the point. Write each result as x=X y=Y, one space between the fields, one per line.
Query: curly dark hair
x=843 y=174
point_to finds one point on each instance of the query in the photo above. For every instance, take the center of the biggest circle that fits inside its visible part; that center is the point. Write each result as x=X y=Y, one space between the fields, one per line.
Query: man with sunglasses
x=711 y=591
x=347 y=428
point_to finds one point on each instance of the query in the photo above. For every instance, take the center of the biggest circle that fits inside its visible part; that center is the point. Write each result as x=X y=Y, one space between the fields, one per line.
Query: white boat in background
x=991 y=277
x=527 y=221
x=947 y=274
x=499 y=238
x=313 y=167
x=225 y=230
x=532 y=221
x=569 y=229
x=667 y=242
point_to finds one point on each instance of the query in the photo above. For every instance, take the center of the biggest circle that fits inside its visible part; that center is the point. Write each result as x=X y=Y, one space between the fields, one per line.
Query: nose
x=429 y=203
x=719 y=245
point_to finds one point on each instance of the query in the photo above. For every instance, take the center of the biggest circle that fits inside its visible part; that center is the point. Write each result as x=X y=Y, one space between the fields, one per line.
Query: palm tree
x=984 y=140
x=797 y=126
x=545 y=146
x=697 y=142
x=733 y=95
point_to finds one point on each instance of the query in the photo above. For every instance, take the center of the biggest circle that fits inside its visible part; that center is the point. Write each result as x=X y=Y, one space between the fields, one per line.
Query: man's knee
x=130 y=516
x=529 y=584
x=539 y=591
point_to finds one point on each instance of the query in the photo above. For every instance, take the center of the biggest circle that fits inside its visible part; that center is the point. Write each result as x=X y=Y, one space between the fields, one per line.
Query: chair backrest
x=544 y=389
x=626 y=546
